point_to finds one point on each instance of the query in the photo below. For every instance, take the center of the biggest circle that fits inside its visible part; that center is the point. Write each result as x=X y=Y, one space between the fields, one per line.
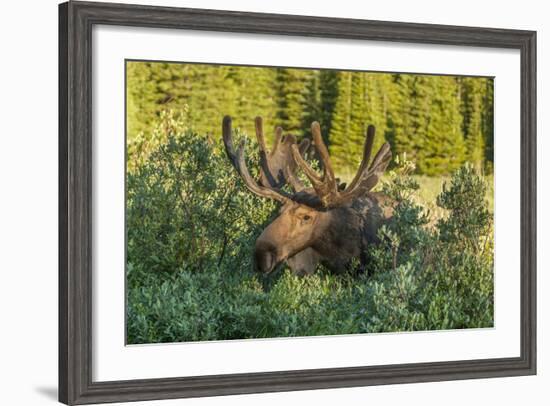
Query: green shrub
x=469 y=222
x=187 y=209
x=441 y=277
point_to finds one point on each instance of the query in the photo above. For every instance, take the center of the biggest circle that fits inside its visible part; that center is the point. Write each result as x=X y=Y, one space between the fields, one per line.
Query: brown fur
x=304 y=236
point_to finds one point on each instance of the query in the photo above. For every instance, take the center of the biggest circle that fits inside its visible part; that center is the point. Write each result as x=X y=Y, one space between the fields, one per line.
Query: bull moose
x=328 y=223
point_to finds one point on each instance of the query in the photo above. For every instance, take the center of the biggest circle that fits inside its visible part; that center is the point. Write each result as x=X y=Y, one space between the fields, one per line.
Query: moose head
x=329 y=222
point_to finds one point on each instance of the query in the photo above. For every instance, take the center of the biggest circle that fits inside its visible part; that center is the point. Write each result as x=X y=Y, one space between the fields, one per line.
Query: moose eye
x=306 y=217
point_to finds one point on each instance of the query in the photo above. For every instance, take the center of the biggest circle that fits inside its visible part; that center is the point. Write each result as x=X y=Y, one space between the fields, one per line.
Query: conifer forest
x=439 y=121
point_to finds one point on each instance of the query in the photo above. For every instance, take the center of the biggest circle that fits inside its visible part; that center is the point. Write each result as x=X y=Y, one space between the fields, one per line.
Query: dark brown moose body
x=329 y=223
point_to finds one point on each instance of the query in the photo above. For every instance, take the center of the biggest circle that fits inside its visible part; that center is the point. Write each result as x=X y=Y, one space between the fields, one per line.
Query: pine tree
x=142 y=96
x=312 y=104
x=363 y=99
x=380 y=97
x=409 y=116
x=341 y=120
x=290 y=96
x=428 y=123
x=473 y=95
x=488 y=123
x=253 y=96
x=328 y=83
x=445 y=149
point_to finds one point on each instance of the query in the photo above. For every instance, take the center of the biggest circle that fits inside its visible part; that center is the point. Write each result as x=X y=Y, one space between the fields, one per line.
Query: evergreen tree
x=290 y=94
x=254 y=96
x=473 y=95
x=380 y=97
x=427 y=123
x=341 y=121
x=363 y=99
x=328 y=82
x=488 y=123
x=312 y=107
x=410 y=117
x=445 y=149
x=142 y=97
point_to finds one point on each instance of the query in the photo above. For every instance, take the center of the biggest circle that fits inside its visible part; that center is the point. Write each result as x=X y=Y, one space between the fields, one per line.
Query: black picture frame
x=76 y=20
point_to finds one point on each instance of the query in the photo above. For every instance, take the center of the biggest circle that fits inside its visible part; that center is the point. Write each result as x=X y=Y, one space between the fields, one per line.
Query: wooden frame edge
x=75 y=353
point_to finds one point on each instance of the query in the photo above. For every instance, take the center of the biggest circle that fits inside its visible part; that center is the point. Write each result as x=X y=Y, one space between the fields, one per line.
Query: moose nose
x=264 y=258
x=264 y=262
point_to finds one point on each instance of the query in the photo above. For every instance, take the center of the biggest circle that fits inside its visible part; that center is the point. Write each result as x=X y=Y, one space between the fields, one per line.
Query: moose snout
x=265 y=257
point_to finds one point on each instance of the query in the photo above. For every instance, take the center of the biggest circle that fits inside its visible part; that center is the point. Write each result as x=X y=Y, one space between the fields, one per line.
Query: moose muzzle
x=265 y=257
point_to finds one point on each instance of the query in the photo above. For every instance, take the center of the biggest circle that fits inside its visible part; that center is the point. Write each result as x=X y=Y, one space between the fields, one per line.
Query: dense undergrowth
x=191 y=227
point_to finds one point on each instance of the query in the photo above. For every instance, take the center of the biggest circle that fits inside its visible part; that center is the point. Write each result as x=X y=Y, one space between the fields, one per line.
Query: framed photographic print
x=258 y=202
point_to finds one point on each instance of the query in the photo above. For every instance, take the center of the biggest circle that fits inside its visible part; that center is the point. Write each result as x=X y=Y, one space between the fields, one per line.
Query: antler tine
x=261 y=191
x=326 y=187
x=314 y=178
x=293 y=180
x=369 y=177
x=381 y=156
x=228 y=140
x=238 y=161
x=304 y=146
x=329 y=177
x=266 y=175
x=258 y=125
x=367 y=150
x=290 y=174
x=278 y=139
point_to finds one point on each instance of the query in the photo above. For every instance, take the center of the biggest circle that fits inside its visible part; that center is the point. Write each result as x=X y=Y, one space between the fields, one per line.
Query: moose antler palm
x=278 y=163
x=315 y=224
x=276 y=166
